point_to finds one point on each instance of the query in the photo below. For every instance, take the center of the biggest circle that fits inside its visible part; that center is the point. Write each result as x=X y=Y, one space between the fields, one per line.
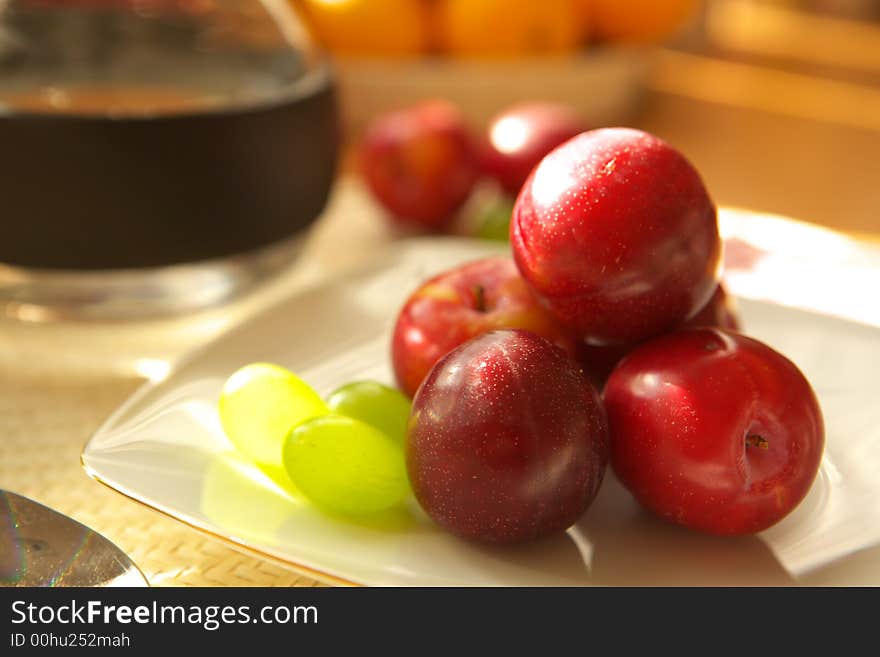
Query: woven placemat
x=46 y=420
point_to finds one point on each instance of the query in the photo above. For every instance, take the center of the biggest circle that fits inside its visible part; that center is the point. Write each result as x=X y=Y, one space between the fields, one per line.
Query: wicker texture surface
x=39 y=458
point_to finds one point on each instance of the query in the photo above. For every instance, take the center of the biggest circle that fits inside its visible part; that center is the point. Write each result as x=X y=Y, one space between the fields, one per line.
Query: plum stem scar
x=754 y=440
x=480 y=294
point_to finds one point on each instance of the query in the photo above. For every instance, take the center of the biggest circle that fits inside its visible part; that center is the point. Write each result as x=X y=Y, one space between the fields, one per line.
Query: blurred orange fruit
x=638 y=21
x=368 y=27
x=509 y=27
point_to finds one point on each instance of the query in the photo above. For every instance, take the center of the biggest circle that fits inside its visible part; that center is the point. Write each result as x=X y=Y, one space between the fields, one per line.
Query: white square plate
x=164 y=448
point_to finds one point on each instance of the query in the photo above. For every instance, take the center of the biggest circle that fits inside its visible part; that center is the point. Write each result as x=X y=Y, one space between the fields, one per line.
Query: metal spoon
x=41 y=547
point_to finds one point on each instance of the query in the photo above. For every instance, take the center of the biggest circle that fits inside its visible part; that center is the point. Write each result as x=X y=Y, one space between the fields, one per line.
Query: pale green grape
x=345 y=465
x=380 y=406
x=260 y=404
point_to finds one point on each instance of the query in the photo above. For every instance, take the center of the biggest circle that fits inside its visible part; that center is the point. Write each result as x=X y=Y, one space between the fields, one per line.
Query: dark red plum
x=507 y=440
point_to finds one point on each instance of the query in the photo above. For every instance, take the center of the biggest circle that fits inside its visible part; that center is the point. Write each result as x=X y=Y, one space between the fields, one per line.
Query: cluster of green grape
x=344 y=453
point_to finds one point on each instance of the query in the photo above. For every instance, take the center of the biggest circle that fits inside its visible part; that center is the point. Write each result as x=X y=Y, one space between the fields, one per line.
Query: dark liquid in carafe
x=108 y=176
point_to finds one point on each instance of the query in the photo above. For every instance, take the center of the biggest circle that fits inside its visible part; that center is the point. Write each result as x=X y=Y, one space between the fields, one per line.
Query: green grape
x=260 y=404
x=380 y=406
x=494 y=224
x=345 y=466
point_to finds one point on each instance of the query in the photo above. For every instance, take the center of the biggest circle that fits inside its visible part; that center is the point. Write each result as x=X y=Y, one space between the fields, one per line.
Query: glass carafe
x=155 y=155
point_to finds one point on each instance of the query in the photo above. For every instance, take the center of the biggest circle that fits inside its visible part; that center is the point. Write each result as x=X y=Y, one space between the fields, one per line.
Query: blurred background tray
x=605 y=85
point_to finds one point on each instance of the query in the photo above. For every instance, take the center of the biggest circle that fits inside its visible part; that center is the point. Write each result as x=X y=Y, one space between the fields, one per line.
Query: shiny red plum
x=421 y=164
x=714 y=431
x=616 y=233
